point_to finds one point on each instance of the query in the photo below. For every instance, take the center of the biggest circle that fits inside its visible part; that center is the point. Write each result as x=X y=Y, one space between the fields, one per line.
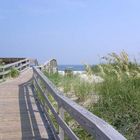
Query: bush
x=119 y=102
x=69 y=72
x=119 y=94
x=14 y=73
x=54 y=77
x=82 y=89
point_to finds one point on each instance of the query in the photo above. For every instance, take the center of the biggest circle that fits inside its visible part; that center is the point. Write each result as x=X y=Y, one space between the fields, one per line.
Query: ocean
x=73 y=67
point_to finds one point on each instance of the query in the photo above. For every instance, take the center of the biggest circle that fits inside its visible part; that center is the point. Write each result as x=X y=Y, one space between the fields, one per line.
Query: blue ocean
x=73 y=67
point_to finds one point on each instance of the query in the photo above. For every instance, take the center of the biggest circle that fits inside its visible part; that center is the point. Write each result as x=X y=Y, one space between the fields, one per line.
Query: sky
x=72 y=31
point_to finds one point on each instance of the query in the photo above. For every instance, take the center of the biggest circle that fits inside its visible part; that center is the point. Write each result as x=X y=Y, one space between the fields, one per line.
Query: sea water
x=72 y=67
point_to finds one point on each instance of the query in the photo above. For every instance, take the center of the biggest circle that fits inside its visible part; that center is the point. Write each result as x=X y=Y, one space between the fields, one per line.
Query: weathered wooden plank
x=20 y=117
x=15 y=63
x=58 y=118
x=26 y=64
x=20 y=65
x=5 y=72
x=93 y=124
x=43 y=108
x=62 y=115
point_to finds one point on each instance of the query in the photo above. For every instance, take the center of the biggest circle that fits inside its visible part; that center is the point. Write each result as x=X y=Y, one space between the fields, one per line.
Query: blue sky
x=72 y=31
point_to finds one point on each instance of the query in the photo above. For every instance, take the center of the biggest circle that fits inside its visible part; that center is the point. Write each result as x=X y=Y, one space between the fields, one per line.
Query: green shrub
x=119 y=94
x=68 y=72
x=119 y=102
x=95 y=69
x=82 y=89
x=14 y=73
x=54 y=77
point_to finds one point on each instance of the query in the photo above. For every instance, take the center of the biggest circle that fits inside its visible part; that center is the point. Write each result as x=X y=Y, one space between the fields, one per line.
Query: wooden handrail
x=19 y=65
x=94 y=125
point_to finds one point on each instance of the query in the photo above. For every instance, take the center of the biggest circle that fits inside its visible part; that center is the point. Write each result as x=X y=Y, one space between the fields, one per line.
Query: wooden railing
x=19 y=65
x=95 y=126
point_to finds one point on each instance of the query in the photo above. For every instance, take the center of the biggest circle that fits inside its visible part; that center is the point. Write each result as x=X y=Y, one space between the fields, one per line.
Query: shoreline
x=91 y=79
x=74 y=72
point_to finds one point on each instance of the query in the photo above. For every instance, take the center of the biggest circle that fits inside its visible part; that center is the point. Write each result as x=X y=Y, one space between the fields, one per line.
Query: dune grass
x=14 y=73
x=119 y=102
x=119 y=93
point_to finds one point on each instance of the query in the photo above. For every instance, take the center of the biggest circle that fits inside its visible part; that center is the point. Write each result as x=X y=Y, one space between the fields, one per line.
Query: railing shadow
x=28 y=108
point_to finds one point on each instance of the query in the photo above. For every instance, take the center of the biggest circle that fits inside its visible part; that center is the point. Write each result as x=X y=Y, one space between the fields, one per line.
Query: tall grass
x=119 y=93
x=119 y=102
x=72 y=85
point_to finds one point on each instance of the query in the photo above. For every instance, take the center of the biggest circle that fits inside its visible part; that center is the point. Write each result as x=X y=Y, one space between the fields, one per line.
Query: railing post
x=61 y=114
x=3 y=76
x=45 y=106
x=26 y=63
x=21 y=66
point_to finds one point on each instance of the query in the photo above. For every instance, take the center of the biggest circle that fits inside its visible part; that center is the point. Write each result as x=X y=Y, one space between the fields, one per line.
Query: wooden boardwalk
x=20 y=116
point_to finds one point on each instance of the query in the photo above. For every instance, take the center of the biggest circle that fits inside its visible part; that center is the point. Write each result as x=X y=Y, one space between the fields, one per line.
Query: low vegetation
x=14 y=73
x=118 y=94
x=1 y=62
x=72 y=86
x=119 y=102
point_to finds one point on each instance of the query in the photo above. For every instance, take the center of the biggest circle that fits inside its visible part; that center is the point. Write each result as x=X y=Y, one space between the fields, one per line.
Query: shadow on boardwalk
x=34 y=125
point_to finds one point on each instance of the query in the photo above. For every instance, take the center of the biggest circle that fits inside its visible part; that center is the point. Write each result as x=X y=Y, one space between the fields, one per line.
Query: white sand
x=74 y=72
x=85 y=77
x=91 y=78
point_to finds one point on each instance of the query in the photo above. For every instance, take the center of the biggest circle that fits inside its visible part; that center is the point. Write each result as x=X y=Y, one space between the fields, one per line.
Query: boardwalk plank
x=19 y=114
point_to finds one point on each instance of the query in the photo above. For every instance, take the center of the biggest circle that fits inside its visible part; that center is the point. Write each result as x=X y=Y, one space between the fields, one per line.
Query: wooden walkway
x=20 y=116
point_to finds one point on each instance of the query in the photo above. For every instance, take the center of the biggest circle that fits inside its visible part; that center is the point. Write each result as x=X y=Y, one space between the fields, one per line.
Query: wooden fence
x=95 y=126
x=19 y=65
